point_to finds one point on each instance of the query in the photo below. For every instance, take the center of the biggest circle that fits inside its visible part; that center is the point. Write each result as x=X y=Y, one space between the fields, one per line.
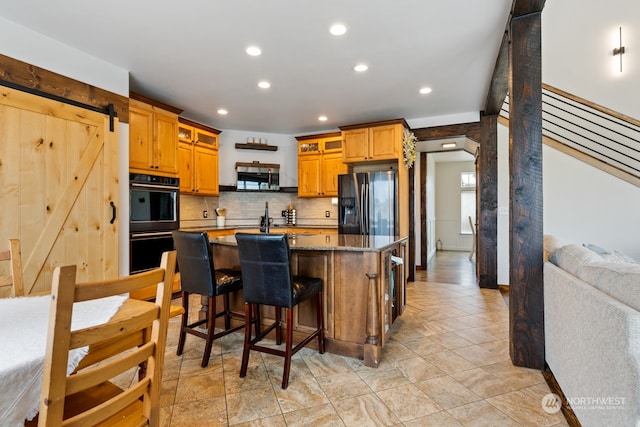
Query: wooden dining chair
x=14 y=279
x=135 y=335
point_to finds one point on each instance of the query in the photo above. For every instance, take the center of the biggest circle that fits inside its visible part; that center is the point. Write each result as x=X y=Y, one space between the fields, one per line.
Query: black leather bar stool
x=199 y=276
x=265 y=260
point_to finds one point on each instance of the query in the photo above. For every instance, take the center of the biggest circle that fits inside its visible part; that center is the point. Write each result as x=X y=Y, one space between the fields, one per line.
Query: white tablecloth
x=23 y=338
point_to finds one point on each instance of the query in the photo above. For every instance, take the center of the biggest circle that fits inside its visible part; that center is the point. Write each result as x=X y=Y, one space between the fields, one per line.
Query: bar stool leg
x=227 y=312
x=185 y=320
x=211 y=330
x=287 y=350
x=278 y=325
x=248 y=310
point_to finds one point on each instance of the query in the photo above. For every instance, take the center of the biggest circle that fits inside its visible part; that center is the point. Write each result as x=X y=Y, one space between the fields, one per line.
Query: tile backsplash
x=246 y=208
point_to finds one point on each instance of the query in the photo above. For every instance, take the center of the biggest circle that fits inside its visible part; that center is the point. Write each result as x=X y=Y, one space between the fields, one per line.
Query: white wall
x=447 y=205
x=26 y=45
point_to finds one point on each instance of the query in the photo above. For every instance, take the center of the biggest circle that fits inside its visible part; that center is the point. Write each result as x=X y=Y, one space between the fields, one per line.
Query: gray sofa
x=592 y=333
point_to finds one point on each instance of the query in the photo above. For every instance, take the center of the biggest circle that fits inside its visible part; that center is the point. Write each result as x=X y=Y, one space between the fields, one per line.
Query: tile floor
x=447 y=365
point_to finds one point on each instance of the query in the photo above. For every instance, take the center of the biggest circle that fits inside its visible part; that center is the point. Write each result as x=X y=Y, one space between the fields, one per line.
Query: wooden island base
x=364 y=288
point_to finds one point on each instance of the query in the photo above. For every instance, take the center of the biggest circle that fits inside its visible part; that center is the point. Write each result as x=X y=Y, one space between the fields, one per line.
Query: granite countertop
x=328 y=242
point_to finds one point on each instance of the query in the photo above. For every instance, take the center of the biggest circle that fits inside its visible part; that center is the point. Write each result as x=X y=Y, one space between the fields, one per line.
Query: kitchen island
x=364 y=287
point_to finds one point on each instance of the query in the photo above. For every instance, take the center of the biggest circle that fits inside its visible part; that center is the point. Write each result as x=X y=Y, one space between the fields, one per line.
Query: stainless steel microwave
x=257 y=176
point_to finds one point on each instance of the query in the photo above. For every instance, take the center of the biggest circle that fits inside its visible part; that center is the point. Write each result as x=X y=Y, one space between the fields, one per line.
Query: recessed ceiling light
x=360 y=68
x=254 y=51
x=338 y=29
x=322 y=118
x=222 y=111
x=264 y=84
x=425 y=90
x=449 y=145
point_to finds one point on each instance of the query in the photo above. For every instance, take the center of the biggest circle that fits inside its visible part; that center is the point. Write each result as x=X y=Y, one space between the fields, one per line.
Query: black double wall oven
x=154 y=212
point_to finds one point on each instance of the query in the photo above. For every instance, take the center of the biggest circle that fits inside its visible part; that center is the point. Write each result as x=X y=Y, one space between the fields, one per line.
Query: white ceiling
x=191 y=54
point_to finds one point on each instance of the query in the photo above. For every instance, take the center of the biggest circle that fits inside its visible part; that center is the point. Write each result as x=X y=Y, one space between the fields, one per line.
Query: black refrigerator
x=368 y=203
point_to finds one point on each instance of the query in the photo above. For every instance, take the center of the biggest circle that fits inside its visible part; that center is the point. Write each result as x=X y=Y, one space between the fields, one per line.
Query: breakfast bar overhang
x=364 y=288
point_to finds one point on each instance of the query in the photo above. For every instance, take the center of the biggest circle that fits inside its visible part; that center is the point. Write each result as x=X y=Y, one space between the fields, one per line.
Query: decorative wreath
x=409 y=147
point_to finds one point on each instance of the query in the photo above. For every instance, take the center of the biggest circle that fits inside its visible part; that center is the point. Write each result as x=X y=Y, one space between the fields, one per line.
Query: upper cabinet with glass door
x=197 y=158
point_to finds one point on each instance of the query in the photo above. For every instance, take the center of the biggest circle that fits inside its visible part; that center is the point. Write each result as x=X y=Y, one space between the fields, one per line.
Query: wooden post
x=526 y=302
x=372 y=342
x=487 y=218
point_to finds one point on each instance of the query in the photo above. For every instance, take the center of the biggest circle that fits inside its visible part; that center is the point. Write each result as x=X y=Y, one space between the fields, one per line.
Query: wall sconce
x=619 y=50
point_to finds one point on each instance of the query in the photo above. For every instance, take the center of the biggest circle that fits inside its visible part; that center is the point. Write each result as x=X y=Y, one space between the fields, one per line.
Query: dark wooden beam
x=526 y=7
x=29 y=76
x=526 y=302
x=424 y=247
x=499 y=85
x=487 y=194
x=470 y=130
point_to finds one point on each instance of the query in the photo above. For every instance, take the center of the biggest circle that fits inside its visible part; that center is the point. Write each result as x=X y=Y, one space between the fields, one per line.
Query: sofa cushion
x=617 y=256
x=572 y=257
x=550 y=244
x=619 y=280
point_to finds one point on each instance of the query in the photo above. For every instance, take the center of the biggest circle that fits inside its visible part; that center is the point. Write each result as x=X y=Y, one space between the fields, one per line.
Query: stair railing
x=599 y=136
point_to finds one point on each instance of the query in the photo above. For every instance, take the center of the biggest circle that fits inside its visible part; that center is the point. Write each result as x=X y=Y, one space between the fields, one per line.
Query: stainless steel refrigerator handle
x=368 y=217
x=362 y=210
x=269 y=180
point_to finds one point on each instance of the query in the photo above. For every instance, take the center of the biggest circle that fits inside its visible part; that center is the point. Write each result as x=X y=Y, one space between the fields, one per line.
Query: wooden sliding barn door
x=58 y=180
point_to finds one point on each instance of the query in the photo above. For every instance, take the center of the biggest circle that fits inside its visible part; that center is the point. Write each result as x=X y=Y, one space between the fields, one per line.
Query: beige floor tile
x=418 y=369
x=482 y=382
x=383 y=377
x=193 y=366
x=451 y=340
x=479 y=355
x=317 y=416
x=325 y=364
x=298 y=371
x=252 y=405
x=439 y=419
x=274 y=421
x=365 y=410
x=447 y=392
x=481 y=414
x=201 y=413
x=449 y=362
x=300 y=394
x=525 y=406
x=424 y=346
x=168 y=393
x=256 y=377
x=408 y=402
x=199 y=387
x=342 y=385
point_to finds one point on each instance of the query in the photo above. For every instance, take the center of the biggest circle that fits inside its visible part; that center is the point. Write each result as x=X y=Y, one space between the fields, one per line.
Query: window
x=467 y=201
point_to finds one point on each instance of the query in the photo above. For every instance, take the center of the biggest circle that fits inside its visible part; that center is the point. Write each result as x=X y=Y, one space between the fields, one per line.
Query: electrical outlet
x=327 y=214
x=205 y=214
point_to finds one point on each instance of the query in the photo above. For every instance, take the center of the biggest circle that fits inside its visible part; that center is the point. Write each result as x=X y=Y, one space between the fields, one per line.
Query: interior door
x=58 y=174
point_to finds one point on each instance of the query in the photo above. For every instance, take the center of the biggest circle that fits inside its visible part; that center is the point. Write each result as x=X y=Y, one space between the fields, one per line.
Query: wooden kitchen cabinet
x=153 y=136
x=197 y=158
x=373 y=142
x=319 y=164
